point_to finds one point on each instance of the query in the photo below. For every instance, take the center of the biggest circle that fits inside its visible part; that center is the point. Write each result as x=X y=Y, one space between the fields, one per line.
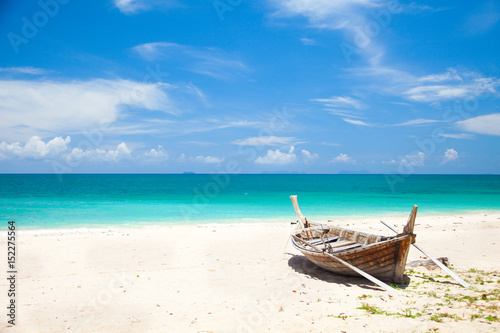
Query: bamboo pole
x=437 y=262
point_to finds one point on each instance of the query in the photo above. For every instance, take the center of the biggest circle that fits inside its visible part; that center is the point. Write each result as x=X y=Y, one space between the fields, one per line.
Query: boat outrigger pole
x=437 y=262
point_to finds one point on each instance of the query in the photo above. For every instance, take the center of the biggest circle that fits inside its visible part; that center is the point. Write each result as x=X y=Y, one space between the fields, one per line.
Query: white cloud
x=329 y=14
x=208 y=159
x=342 y=158
x=419 y=122
x=450 y=155
x=414 y=160
x=352 y=16
x=308 y=41
x=23 y=70
x=58 y=149
x=463 y=85
x=450 y=75
x=343 y=113
x=264 y=141
x=341 y=102
x=308 y=157
x=437 y=93
x=277 y=157
x=32 y=107
x=98 y=155
x=156 y=154
x=34 y=148
x=209 y=61
x=136 y=6
x=457 y=136
x=487 y=124
x=356 y=122
x=453 y=84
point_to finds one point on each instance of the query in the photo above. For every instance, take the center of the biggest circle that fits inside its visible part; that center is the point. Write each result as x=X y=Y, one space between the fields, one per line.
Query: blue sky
x=307 y=86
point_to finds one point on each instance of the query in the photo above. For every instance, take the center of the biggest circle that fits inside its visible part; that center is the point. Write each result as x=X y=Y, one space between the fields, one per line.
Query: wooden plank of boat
x=327 y=240
x=357 y=270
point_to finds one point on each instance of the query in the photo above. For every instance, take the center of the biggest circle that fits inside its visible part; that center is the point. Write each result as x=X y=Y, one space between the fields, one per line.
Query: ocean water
x=107 y=200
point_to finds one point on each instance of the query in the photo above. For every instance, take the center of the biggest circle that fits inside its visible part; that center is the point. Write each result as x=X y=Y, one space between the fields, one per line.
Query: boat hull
x=384 y=260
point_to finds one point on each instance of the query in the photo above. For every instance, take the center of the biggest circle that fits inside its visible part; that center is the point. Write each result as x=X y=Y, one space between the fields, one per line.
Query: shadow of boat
x=302 y=265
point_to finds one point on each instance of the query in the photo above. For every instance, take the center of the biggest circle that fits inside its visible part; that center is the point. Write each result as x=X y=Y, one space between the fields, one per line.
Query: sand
x=241 y=278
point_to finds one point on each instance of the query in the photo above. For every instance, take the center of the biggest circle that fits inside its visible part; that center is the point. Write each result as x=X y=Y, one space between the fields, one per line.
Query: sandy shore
x=241 y=278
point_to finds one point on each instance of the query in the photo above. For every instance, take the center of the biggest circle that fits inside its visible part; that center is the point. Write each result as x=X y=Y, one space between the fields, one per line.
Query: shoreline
x=336 y=220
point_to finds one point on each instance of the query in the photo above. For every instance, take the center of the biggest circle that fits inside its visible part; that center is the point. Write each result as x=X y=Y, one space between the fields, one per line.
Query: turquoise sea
x=42 y=201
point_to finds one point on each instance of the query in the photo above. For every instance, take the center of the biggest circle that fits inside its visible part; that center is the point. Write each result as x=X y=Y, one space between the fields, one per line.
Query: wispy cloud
x=264 y=141
x=453 y=84
x=308 y=41
x=329 y=14
x=457 y=136
x=24 y=70
x=486 y=124
x=136 y=6
x=31 y=107
x=341 y=102
x=208 y=61
x=419 y=122
x=357 y=122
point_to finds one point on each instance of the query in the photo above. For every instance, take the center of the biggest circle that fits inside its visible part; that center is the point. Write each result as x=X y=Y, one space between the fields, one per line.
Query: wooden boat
x=349 y=252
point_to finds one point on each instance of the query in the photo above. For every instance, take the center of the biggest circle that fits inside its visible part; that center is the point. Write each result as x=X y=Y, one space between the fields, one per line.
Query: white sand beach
x=241 y=278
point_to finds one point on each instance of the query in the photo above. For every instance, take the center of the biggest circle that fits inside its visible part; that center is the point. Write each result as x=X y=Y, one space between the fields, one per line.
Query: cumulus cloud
x=264 y=141
x=158 y=154
x=277 y=157
x=308 y=157
x=450 y=155
x=486 y=124
x=99 y=155
x=208 y=159
x=414 y=160
x=342 y=158
x=34 y=148
x=31 y=107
